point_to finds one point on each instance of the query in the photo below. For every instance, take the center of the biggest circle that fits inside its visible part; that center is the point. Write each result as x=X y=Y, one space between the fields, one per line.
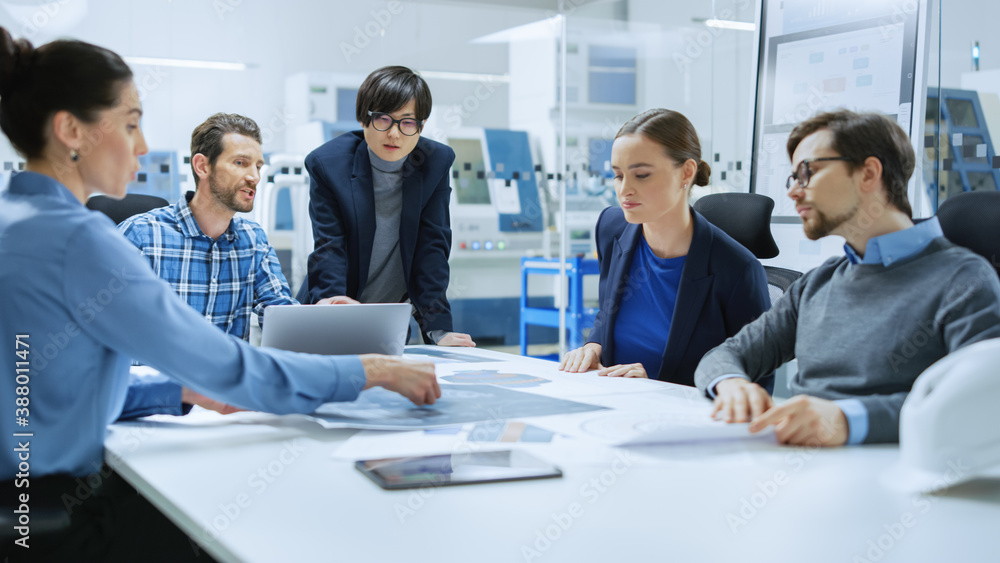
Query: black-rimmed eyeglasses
x=383 y=122
x=802 y=174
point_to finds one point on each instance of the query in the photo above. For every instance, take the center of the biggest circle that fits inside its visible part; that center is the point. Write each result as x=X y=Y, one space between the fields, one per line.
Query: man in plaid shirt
x=222 y=265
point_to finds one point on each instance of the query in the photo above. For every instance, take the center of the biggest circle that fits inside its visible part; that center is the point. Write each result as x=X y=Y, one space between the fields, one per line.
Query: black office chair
x=121 y=209
x=747 y=218
x=972 y=220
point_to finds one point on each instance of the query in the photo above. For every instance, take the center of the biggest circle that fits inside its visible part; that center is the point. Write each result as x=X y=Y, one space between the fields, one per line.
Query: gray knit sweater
x=867 y=331
x=385 y=273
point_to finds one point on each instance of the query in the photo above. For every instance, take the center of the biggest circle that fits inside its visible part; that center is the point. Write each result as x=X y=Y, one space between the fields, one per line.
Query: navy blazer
x=342 y=209
x=722 y=288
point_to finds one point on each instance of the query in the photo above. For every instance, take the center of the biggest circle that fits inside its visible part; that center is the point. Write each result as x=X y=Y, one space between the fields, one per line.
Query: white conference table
x=260 y=487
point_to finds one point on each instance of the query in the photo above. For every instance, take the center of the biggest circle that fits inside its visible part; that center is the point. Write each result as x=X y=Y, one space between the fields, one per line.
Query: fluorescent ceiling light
x=185 y=63
x=464 y=76
x=729 y=24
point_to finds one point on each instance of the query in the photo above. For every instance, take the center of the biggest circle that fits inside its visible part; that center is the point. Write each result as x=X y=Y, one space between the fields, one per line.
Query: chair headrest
x=121 y=209
x=972 y=220
x=745 y=217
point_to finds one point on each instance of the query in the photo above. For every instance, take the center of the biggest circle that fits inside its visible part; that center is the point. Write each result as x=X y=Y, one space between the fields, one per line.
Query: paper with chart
x=380 y=409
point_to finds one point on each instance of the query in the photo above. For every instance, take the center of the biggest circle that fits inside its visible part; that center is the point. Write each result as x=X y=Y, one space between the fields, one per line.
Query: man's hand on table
x=805 y=421
x=802 y=420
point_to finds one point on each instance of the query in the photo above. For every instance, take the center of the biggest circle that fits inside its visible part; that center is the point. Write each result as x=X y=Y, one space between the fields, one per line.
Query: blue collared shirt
x=88 y=303
x=893 y=247
x=886 y=249
x=225 y=279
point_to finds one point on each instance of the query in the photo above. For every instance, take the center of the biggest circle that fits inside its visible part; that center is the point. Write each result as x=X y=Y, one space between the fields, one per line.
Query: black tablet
x=455 y=469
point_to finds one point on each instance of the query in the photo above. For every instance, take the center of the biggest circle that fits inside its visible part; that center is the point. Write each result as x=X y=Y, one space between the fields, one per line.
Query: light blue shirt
x=225 y=279
x=89 y=303
x=885 y=250
x=896 y=246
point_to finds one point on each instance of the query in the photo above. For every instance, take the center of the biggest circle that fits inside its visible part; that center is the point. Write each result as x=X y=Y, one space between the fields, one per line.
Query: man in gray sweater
x=863 y=326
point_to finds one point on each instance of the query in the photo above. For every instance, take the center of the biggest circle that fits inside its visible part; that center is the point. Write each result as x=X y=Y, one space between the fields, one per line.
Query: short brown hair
x=207 y=137
x=856 y=136
x=677 y=136
x=388 y=89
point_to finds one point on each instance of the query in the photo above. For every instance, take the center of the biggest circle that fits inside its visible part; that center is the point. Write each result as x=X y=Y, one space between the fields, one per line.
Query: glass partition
x=963 y=105
x=529 y=94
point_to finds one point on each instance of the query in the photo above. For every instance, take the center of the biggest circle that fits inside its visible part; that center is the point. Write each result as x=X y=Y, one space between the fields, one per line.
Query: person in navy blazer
x=385 y=177
x=673 y=286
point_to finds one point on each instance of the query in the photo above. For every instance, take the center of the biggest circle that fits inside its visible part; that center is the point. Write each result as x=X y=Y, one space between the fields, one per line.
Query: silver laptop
x=368 y=328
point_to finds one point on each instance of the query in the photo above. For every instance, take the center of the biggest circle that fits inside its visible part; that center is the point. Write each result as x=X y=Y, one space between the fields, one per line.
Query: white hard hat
x=948 y=432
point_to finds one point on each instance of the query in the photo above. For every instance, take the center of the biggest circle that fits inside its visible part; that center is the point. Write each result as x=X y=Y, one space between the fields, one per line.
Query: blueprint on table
x=379 y=409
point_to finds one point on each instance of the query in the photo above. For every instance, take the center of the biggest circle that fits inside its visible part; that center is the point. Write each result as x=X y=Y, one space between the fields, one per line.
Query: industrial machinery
x=966 y=157
x=495 y=206
x=497 y=217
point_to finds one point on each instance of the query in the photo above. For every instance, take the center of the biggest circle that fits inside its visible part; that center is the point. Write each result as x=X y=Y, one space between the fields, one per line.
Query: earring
x=74 y=156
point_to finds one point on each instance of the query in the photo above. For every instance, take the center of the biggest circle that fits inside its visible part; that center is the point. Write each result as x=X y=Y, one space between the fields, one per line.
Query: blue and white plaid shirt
x=224 y=279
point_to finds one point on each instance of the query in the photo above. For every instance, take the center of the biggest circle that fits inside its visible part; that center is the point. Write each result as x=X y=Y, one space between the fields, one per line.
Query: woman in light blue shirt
x=78 y=303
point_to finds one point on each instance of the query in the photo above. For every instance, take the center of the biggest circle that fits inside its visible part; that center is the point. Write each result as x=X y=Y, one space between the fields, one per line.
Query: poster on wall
x=819 y=55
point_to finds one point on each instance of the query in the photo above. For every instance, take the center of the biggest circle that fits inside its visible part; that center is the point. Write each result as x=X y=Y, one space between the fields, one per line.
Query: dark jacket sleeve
x=328 y=262
x=430 y=273
x=605 y=237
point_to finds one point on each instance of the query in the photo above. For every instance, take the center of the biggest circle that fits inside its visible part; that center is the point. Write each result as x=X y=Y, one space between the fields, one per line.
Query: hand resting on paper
x=414 y=380
x=625 y=370
x=588 y=357
x=585 y=358
x=805 y=421
x=802 y=420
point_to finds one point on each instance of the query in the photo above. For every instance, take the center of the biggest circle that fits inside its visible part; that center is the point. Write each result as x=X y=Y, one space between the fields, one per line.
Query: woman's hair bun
x=15 y=59
x=703 y=174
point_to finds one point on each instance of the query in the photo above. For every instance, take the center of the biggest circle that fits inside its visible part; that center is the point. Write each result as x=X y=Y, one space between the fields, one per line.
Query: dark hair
x=35 y=84
x=857 y=136
x=388 y=89
x=207 y=137
x=675 y=133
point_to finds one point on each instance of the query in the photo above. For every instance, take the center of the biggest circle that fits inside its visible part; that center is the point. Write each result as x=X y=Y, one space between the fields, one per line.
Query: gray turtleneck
x=385 y=273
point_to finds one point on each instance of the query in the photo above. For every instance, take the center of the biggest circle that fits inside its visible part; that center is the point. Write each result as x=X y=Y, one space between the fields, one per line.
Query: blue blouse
x=647 y=308
x=78 y=303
